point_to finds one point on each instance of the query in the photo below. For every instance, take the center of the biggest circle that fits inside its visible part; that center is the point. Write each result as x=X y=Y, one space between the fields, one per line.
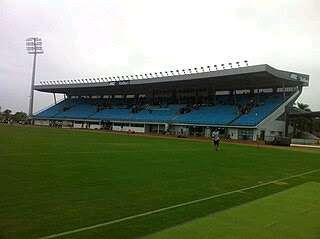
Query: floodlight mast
x=34 y=46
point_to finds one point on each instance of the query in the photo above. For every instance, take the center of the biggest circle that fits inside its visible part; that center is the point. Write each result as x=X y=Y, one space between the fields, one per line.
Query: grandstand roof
x=250 y=77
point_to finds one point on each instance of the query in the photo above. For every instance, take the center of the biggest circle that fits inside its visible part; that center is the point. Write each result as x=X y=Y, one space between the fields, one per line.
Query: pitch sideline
x=172 y=207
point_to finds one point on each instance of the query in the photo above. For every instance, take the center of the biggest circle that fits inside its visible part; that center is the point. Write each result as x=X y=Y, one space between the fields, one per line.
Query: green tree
x=303 y=106
x=7 y=114
x=20 y=117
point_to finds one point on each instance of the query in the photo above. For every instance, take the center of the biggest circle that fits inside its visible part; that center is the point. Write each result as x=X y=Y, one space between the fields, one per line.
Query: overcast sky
x=95 y=38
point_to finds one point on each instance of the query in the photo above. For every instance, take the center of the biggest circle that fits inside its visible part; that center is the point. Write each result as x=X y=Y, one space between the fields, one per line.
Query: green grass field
x=58 y=181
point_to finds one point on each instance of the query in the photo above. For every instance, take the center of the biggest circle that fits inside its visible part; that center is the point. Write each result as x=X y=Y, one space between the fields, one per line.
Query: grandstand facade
x=245 y=103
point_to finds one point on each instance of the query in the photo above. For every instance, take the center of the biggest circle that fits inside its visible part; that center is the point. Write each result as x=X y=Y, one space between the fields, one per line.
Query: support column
x=286 y=118
x=283 y=90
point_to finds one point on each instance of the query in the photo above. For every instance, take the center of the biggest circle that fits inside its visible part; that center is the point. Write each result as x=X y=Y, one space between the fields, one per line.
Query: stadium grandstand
x=246 y=103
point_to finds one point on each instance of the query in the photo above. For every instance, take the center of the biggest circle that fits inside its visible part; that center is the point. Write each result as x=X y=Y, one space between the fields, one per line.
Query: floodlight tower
x=34 y=46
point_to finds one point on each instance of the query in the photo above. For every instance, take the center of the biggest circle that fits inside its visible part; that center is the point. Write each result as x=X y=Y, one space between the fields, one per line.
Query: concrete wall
x=233 y=132
x=127 y=128
x=41 y=122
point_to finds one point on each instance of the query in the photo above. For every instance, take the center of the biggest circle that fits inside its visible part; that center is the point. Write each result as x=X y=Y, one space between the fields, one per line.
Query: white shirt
x=215 y=135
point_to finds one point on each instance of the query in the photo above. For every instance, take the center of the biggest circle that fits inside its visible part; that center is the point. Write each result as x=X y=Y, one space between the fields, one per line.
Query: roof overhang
x=251 y=77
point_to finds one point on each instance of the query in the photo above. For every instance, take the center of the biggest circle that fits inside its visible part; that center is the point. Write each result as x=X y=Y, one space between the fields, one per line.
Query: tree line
x=19 y=117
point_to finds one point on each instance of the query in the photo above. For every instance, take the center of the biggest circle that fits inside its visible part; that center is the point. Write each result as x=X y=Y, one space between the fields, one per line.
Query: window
x=245 y=134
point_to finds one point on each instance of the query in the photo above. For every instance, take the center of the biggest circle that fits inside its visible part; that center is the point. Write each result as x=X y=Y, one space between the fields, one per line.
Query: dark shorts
x=216 y=142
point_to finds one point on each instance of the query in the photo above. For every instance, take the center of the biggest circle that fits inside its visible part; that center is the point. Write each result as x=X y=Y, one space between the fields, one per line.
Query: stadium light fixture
x=215 y=66
x=230 y=64
x=34 y=46
x=238 y=63
x=222 y=66
x=245 y=61
x=196 y=69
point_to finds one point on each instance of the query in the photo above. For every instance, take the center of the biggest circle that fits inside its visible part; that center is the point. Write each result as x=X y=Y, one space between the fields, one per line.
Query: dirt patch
x=280 y=183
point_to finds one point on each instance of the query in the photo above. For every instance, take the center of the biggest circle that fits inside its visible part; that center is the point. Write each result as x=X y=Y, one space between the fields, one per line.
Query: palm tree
x=7 y=114
x=303 y=106
x=304 y=123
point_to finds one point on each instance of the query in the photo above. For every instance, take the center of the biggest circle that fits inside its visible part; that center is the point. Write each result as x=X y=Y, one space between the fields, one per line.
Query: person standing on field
x=215 y=139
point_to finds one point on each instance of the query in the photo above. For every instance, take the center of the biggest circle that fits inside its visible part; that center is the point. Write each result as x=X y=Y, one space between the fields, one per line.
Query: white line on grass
x=172 y=207
x=96 y=152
